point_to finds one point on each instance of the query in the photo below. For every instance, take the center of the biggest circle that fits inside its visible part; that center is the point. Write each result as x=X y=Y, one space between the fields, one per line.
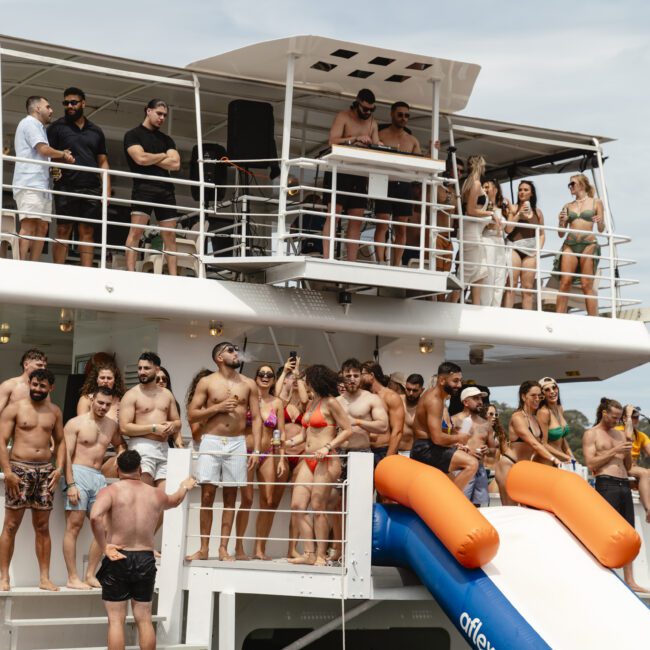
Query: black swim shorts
x=131 y=578
x=617 y=492
x=435 y=455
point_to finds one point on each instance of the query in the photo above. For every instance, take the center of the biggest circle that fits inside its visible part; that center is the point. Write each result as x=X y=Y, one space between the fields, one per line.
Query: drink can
x=276 y=437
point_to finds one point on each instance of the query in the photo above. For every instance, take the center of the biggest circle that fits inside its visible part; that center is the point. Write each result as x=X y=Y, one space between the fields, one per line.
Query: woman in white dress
x=496 y=253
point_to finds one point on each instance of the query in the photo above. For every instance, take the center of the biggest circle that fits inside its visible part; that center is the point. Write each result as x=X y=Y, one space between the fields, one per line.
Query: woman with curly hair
x=326 y=426
x=105 y=374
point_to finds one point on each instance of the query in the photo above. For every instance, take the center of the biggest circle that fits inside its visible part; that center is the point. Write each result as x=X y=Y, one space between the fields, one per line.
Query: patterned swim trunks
x=34 y=493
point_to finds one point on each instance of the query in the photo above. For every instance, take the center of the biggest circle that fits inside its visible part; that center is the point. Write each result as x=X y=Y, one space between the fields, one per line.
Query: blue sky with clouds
x=579 y=66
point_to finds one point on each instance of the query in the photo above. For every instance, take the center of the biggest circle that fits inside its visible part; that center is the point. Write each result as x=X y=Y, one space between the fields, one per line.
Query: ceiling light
x=216 y=328
x=426 y=346
x=66 y=323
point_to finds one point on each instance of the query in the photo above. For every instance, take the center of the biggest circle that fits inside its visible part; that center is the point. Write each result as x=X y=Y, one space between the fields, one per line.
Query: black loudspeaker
x=251 y=134
x=212 y=173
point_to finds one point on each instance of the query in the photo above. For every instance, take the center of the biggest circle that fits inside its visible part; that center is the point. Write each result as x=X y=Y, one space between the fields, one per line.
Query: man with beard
x=480 y=444
x=17 y=388
x=352 y=127
x=608 y=454
x=30 y=475
x=31 y=181
x=151 y=152
x=413 y=389
x=434 y=445
x=149 y=417
x=87 y=437
x=87 y=143
x=395 y=135
x=220 y=404
x=384 y=444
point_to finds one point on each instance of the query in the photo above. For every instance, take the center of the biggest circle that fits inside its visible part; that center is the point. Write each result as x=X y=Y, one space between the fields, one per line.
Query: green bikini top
x=586 y=215
x=557 y=433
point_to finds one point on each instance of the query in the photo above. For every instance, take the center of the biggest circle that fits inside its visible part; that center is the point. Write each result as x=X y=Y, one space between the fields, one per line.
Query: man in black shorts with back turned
x=124 y=520
x=87 y=143
x=352 y=127
x=151 y=152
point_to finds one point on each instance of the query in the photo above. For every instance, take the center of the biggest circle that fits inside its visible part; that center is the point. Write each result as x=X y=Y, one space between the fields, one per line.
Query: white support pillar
x=357 y=528
x=278 y=245
x=199 y=143
x=226 y=621
x=200 y=608
x=435 y=117
x=170 y=576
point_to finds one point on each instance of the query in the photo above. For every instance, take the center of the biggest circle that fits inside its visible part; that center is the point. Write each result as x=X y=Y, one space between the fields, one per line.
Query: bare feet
x=76 y=583
x=47 y=585
x=637 y=588
x=4 y=585
x=262 y=556
x=241 y=555
x=224 y=556
x=320 y=561
x=306 y=558
x=199 y=555
x=293 y=554
x=92 y=582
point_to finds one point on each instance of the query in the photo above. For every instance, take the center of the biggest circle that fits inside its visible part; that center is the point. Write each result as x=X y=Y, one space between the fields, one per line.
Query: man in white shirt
x=32 y=181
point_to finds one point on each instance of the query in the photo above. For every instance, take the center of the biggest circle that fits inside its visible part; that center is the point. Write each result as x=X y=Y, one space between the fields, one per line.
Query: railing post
x=102 y=259
x=332 y=231
x=538 y=263
x=423 y=227
x=170 y=576
x=358 y=525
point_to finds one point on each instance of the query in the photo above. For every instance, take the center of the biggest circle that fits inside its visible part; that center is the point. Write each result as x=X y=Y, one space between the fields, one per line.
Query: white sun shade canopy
x=342 y=68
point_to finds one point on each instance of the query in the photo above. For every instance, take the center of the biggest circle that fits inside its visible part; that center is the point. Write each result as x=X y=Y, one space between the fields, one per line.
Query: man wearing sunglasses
x=352 y=127
x=87 y=143
x=395 y=135
x=220 y=405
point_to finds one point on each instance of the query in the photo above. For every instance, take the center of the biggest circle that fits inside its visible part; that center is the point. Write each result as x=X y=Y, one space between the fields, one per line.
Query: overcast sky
x=579 y=66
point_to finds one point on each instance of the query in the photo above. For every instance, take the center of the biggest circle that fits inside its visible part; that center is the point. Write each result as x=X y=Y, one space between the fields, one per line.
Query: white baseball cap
x=471 y=391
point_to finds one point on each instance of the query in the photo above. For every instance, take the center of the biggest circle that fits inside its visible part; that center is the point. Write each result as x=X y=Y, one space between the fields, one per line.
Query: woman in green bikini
x=579 y=216
x=553 y=423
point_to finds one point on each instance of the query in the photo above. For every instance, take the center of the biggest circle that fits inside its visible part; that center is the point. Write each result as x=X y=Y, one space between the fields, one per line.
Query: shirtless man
x=353 y=127
x=149 y=417
x=86 y=438
x=434 y=445
x=368 y=417
x=481 y=443
x=608 y=454
x=398 y=137
x=17 y=388
x=30 y=475
x=413 y=389
x=124 y=520
x=384 y=444
x=220 y=403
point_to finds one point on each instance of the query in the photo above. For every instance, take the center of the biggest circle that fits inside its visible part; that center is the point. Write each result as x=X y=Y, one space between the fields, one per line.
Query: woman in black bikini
x=271 y=469
x=326 y=426
x=579 y=216
x=521 y=242
x=525 y=436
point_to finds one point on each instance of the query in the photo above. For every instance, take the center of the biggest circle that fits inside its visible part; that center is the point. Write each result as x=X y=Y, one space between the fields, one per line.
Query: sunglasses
x=71 y=102
x=571 y=184
x=265 y=375
x=231 y=348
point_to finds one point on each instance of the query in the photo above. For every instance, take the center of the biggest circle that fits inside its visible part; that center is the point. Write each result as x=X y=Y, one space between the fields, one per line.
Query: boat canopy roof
x=257 y=72
x=341 y=67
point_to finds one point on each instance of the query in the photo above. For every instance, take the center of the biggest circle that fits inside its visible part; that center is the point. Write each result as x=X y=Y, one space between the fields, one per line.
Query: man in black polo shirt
x=151 y=152
x=87 y=143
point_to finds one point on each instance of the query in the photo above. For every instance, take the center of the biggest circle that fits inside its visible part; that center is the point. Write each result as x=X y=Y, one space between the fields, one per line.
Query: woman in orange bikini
x=271 y=469
x=525 y=435
x=291 y=389
x=319 y=470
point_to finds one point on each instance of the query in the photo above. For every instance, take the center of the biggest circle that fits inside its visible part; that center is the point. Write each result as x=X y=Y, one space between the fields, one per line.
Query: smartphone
x=293 y=354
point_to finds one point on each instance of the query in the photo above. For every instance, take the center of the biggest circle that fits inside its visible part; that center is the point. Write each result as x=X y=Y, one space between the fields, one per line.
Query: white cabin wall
x=403 y=355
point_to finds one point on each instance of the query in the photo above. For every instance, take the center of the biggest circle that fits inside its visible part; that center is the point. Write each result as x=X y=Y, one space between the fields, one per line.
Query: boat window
x=414 y=638
x=398 y=78
x=324 y=66
x=362 y=74
x=381 y=60
x=418 y=66
x=344 y=54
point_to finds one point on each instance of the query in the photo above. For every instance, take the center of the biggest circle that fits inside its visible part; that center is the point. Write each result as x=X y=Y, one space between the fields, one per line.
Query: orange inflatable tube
x=464 y=531
x=579 y=507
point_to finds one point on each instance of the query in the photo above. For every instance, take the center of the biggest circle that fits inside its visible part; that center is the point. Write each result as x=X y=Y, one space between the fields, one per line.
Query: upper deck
x=247 y=240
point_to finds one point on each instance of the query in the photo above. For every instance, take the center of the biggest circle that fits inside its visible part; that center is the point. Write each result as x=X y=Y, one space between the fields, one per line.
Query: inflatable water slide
x=512 y=577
